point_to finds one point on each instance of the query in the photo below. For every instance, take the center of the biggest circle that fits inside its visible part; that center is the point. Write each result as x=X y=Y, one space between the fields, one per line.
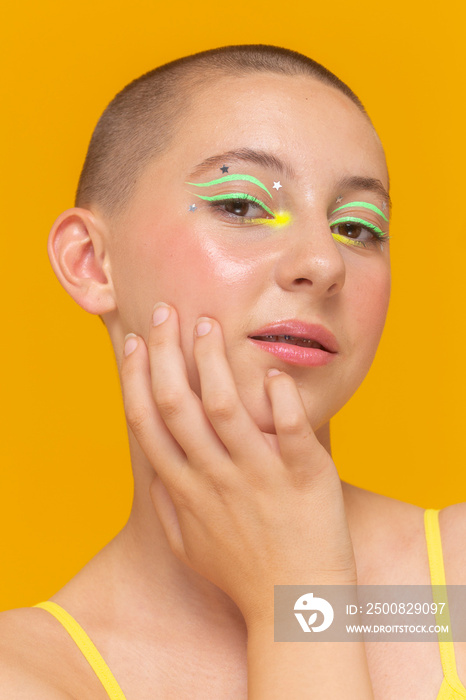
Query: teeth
x=292 y=340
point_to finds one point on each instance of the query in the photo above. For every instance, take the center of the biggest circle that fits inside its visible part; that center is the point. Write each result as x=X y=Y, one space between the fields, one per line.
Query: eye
x=354 y=231
x=245 y=208
x=240 y=207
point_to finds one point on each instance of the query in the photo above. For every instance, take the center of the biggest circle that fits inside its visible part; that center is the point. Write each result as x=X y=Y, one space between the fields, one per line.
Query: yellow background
x=65 y=474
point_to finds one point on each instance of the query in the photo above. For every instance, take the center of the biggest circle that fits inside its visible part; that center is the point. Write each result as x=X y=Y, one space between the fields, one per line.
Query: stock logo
x=312 y=605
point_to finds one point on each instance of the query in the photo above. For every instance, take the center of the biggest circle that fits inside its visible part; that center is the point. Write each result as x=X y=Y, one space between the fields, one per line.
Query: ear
x=79 y=257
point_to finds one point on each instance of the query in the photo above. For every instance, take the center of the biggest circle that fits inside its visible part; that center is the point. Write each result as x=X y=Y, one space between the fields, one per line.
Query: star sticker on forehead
x=192 y=207
x=224 y=168
x=277 y=185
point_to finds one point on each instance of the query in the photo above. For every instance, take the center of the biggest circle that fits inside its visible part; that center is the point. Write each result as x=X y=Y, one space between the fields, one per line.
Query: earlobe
x=78 y=255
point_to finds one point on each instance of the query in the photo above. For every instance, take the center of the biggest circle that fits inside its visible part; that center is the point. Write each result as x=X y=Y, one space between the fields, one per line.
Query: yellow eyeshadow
x=348 y=241
x=280 y=219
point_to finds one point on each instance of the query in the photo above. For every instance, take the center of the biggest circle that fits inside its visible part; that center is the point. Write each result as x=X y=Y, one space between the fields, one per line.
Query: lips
x=297 y=342
x=298 y=333
x=291 y=340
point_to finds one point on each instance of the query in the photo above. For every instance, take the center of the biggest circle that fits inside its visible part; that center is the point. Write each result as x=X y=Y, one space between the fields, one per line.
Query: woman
x=231 y=229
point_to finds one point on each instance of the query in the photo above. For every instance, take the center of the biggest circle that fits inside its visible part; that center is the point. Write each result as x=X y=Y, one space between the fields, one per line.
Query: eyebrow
x=245 y=155
x=271 y=161
x=356 y=182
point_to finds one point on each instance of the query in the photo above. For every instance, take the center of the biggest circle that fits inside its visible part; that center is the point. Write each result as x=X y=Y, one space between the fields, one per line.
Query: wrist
x=260 y=617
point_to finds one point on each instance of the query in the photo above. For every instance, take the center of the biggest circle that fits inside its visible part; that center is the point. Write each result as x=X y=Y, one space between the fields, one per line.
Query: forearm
x=305 y=670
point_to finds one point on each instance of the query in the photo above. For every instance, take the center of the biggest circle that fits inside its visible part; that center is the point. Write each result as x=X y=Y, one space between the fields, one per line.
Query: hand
x=244 y=509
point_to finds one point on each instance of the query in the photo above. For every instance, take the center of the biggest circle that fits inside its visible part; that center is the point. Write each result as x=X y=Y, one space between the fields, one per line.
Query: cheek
x=201 y=273
x=198 y=272
x=202 y=276
x=369 y=301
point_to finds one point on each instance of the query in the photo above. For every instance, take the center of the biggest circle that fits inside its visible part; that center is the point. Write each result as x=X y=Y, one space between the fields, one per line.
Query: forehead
x=307 y=124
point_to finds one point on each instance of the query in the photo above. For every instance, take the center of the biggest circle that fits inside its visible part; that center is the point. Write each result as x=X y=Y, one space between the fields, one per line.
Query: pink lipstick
x=297 y=342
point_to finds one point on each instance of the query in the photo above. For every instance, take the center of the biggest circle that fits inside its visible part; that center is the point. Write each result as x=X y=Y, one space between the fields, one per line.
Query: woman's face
x=303 y=149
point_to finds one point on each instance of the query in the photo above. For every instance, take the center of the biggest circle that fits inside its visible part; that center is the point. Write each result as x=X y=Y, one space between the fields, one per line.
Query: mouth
x=291 y=340
x=297 y=342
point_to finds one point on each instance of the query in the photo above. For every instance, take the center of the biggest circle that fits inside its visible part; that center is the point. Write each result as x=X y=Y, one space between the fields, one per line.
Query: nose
x=311 y=260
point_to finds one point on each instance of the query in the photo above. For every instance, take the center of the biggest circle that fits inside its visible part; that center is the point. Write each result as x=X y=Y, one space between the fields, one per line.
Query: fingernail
x=131 y=343
x=160 y=314
x=203 y=326
x=273 y=372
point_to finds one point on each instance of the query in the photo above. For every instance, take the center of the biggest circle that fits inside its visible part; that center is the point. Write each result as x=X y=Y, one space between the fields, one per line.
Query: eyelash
x=377 y=235
x=218 y=203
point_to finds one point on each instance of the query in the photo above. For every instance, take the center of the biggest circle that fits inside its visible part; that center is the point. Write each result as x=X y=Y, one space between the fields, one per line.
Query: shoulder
x=452 y=520
x=390 y=537
x=27 y=659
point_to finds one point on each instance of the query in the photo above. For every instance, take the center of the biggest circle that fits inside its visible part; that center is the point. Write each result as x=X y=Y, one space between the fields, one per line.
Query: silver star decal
x=277 y=185
x=339 y=199
x=192 y=207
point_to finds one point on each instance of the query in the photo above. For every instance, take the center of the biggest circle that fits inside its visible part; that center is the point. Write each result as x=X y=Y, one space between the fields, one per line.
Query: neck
x=145 y=570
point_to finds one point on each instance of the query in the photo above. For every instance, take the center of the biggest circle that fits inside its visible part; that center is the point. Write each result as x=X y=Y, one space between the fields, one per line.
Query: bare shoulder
x=452 y=521
x=31 y=643
x=396 y=530
x=24 y=666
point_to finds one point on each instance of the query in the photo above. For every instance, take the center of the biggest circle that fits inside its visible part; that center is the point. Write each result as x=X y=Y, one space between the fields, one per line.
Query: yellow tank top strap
x=439 y=593
x=87 y=648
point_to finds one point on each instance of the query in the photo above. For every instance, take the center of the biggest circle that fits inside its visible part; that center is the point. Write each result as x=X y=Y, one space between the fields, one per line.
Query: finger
x=180 y=408
x=299 y=447
x=222 y=404
x=150 y=431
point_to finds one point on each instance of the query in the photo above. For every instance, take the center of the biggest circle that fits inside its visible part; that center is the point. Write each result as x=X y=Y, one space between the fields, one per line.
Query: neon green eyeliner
x=236 y=195
x=356 y=220
x=230 y=178
x=366 y=205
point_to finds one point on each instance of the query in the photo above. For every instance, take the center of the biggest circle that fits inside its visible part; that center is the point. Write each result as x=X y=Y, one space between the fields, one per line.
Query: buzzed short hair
x=141 y=120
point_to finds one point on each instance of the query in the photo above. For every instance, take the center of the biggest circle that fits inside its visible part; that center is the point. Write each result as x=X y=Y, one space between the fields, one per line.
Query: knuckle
x=138 y=417
x=220 y=406
x=169 y=401
x=129 y=370
x=292 y=423
x=185 y=494
x=302 y=477
x=218 y=485
x=157 y=339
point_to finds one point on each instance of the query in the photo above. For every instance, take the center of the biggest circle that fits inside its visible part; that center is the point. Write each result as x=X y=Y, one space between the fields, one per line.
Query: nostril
x=303 y=280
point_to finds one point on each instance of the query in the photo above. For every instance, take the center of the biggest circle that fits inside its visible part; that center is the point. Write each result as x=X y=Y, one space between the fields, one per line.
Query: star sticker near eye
x=192 y=207
x=277 y=185
x=339 y=199
x=224 y=168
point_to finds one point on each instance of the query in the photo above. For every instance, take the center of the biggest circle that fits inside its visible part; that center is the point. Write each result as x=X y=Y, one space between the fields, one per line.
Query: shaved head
x=143 y=119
